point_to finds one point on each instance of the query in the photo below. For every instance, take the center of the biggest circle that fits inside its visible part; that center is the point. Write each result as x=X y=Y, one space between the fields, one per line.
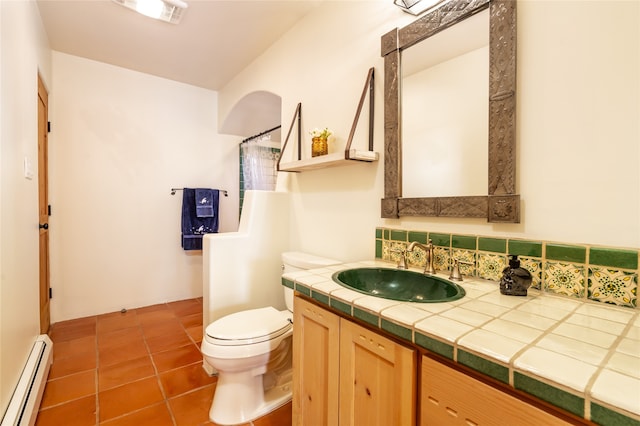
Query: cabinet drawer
x=450 y=397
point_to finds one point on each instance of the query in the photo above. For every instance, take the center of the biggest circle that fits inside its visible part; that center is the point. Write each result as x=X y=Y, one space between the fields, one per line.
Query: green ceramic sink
x=399 y=284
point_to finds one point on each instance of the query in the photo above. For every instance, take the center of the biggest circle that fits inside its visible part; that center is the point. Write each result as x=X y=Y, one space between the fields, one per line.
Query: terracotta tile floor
x=141 y=367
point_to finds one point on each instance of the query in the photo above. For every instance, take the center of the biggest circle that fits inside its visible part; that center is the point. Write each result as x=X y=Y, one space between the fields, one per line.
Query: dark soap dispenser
x=515 y=280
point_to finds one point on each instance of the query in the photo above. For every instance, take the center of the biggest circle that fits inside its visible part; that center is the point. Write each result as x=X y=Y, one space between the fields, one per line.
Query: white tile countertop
x=581 y=356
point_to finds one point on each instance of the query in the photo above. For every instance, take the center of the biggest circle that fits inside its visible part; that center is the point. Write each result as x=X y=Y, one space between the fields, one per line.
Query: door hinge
x=50 y=293
x=49 y=210
x=48 y=127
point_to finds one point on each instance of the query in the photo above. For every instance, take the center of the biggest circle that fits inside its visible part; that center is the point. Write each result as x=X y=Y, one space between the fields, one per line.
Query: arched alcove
x=254 y=113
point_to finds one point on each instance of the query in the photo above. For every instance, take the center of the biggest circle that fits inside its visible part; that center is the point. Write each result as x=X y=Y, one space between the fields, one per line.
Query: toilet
x=251 y=350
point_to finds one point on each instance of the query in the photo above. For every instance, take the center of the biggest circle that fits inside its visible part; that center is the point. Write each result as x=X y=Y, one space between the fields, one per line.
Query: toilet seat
x=247 y=333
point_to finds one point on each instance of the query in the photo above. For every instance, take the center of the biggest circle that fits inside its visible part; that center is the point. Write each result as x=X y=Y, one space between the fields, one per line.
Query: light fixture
x=416 y=7
x=164 y=10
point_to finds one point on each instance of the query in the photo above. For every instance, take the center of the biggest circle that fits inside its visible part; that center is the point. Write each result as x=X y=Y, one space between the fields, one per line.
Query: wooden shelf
x=349 y=155
x=330 y=160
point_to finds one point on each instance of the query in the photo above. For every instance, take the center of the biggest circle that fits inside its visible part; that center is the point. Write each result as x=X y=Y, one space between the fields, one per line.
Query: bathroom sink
x=399 y=284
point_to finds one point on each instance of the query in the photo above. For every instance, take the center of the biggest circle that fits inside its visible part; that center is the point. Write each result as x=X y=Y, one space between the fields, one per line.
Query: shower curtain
x=259 y=164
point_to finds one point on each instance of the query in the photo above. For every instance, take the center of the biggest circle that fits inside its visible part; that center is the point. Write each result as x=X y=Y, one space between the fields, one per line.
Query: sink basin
x=399 y=284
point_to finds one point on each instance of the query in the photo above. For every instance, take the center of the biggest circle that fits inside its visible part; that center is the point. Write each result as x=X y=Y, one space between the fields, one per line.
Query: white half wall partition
x=242 y=270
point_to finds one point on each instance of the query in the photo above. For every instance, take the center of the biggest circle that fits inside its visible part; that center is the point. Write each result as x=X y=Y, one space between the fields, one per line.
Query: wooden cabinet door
x=377 y=379
x=450 y=397
x=316 y=348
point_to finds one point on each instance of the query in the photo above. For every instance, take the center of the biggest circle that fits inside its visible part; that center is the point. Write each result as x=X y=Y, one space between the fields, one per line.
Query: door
x=43 y=204
x=377 y=379
x=316 y=339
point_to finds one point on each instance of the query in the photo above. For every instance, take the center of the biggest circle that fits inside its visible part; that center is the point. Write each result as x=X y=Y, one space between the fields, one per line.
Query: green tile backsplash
x=627 y=259
x=420 y=237
x=378 y=249
x=525 y=248
x=601 y=274
x=574 y=254
x=443 y=240
x=463 y=242
x=399 y=235
x=496 y=245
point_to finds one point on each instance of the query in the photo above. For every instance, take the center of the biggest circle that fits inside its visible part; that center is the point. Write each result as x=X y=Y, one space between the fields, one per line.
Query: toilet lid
x=247 y=327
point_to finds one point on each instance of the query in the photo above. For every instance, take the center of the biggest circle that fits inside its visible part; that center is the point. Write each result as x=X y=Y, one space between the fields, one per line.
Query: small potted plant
x=319 y=144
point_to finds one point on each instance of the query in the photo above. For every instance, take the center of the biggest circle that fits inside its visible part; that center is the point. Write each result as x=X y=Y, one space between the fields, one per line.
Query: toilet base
x=231 y=411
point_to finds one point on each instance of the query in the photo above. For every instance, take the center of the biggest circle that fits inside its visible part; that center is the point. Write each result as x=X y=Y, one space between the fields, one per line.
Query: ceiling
x=214 y=41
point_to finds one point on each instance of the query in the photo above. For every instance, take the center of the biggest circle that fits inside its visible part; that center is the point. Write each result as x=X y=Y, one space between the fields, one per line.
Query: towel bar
x=173 y=191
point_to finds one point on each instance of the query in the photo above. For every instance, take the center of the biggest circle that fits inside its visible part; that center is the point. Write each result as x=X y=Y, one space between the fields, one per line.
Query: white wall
x=23 y=53
x=322 y=63
x=578 y=120
x=578 y=128
x=120 y=141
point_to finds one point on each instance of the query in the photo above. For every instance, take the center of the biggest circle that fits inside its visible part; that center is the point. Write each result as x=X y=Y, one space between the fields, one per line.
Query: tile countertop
x=581 y=356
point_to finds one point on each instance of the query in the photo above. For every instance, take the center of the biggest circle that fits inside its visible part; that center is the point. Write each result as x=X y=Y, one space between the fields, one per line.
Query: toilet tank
x=298 y=261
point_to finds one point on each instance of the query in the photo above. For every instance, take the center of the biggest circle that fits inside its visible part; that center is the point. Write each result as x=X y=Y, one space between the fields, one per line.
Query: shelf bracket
x=296 y=117
x=368 y=87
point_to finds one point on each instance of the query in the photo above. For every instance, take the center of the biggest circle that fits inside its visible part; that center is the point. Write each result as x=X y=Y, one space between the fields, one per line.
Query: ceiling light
x=164 y=10
x=416 y=7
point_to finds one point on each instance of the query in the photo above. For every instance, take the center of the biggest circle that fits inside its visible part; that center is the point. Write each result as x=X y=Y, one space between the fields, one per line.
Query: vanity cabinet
x=450 y=397
x=345 y=374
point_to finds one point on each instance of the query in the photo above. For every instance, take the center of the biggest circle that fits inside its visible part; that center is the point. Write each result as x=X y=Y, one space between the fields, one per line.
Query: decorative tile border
x=490 y=266
x=564 y=278
x=601 y=274
x=613 y=286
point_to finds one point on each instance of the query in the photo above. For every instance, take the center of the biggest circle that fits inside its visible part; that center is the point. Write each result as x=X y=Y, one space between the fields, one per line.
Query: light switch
x=28 y=168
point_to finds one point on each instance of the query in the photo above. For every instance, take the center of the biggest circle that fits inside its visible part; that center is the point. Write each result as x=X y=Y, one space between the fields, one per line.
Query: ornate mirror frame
x=502 y=204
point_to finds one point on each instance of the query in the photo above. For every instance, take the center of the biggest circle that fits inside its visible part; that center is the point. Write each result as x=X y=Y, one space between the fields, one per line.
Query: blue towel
x=194 y=227
x=204 y=202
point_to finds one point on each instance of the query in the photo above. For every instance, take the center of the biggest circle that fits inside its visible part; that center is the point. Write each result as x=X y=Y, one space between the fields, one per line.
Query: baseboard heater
x=25 y=402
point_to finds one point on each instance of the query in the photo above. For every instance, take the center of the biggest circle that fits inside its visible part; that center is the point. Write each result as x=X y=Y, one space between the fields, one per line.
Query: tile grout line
x=136 y=324
x=601 y=367
x=165 y=400
x=97 y=376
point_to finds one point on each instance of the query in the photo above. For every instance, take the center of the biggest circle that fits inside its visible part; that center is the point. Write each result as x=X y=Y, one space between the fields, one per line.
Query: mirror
x=490 y=167
x=445 y=116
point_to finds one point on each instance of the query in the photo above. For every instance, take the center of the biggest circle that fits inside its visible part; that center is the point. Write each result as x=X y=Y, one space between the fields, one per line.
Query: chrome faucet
x=428 y=266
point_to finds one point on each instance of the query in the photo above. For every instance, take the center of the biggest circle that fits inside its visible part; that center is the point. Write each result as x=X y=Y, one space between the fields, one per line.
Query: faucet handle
x=455 y=269
x=402 y=262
